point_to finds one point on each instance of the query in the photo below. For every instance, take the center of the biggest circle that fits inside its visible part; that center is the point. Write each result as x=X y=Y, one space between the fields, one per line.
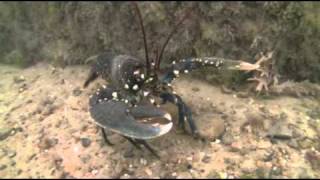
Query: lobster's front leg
x=185 y=113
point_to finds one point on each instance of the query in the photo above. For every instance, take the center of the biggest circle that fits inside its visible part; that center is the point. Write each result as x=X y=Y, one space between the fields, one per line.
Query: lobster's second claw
x=131 y=122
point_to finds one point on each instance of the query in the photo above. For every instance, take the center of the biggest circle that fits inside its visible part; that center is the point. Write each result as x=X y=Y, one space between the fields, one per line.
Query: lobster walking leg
x=137 y=142
x=104 y=135
x=185 y=113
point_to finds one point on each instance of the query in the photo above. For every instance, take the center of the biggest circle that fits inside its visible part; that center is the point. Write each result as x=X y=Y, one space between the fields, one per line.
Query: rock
x=85 y=158
x=85 y=142
x=49 y=110
x=248 y=165
x=76 y=92
x=314 y=159
x=256 y=122
x=3 y=153
x=305 y=143
x=47 y=143
x=184 y=175
x=31 y=157
x=293 y=144
x=280 y=131
x=129 y=153
x=195 y=89
x=5 y=133
x=148 y=171
x=2 y=167
x=227 y=138
x=210 y=126
x=11 y=154
x=19 y=79
x=13 y=163
x=206 y=159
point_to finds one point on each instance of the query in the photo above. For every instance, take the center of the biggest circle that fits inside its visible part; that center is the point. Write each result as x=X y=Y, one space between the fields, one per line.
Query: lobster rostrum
x=131 y=104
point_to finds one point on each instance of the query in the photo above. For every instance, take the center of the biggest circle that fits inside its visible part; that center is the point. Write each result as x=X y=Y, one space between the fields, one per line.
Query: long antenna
x=144 y=36
x=158 y=60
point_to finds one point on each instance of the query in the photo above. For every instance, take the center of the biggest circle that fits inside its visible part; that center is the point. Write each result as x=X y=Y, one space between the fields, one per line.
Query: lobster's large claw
x=141 y=122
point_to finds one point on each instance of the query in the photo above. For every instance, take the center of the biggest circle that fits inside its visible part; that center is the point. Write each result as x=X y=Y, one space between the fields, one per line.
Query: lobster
x=131 y=105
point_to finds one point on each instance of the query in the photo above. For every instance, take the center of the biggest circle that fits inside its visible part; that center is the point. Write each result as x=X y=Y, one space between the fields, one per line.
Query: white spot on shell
x=145 y=93
x=114 y=94
x=126 y=86
x=135 y=87
x=136 y=72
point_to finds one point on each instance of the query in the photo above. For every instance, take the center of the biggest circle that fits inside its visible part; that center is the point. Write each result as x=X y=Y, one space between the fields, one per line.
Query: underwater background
x=46 y=130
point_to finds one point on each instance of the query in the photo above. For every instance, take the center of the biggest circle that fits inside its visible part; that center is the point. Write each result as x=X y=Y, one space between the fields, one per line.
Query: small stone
x=227 y=139
x=189 y=158
x=76 y=92
x=148 y=172
x=13 y=163
x=184 y=175
x=293 y=144
x=211 y=127
x=85 y=142
x=47 y=143
x=206 y=159
x=314 y=159
x=2 y=167
x=280 y=131
x=12 y=154
x=94 y=172
x=5 y=133
x=195 y=89
x=128 y=154
x=19 y=79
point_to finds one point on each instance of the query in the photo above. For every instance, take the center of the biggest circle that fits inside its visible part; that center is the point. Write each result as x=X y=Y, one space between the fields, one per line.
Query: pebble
x=206 y=159
x=94 y=172
x=5 y=133
x=12 y=154
x=85 y=142
x=19 y=79
x=148 y=172
x=48 y=143
x=280 y=131
x=76 y=92
x=2 y=167
x=227 y=138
